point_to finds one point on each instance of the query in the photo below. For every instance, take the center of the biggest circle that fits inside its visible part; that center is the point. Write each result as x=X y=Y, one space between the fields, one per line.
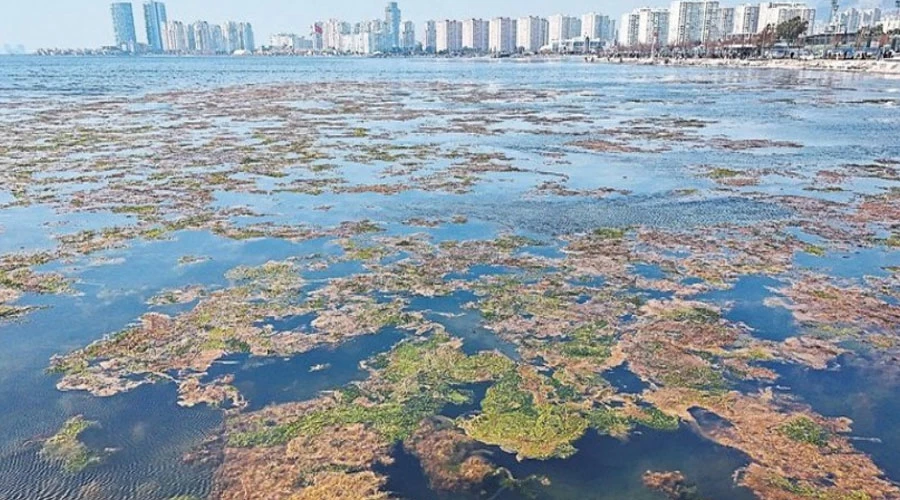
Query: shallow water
x=151 y=433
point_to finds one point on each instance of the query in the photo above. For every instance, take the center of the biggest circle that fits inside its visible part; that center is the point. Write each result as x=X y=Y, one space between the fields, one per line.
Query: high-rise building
x=203 y=43
x=561 y=28
x=709 y=29
x=502 y=35
x=317 y=31
x=248 y=43
x=332 y=33
x=653 y=25
x=853 y=19
x=693 y=22
x=597 y=27
x=176 y=40
x=773 y=13
x=232 y=33
x=746 y=19
x=531 y=33
x=430 y=37
x=392 y=19
x=408 y=36
x=629 y=29
x=476 y=35
x=218 y=39
x=155 y=19
x=123 y=26
x=725 y=22
x=448 y=36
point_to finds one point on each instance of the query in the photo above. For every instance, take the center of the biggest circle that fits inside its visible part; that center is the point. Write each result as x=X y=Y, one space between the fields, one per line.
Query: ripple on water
x=150 y=435
x=604 y=468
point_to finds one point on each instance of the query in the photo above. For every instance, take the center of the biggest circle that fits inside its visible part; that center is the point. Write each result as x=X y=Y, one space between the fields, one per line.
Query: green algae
x=618 y=423
x=722 y=173
x=415 y=380
x=815 y=250
x=606 y=420
x=65 y=448
x=655 y=418
x=513 y=419
x=693 y=314
x=893 y=241
x=506 y=297
x=610 y=233
x=510 y=242
x=804 y=430
x=24 y=279
x=589 y=341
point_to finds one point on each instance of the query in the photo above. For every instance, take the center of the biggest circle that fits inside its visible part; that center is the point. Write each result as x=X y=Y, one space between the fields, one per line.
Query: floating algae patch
x=66 y=449
x=522 y=422
x=359 y=422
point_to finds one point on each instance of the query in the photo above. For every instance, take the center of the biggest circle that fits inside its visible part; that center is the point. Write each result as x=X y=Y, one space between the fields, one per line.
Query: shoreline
x=883 y=67
x=886 y=67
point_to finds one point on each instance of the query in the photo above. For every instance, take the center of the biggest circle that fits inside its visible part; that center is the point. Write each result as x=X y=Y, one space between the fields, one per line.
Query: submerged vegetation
x=65 y=448
x=805 y=430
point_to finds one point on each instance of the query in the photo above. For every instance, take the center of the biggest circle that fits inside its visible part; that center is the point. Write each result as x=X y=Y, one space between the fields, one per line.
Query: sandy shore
x=884 y=67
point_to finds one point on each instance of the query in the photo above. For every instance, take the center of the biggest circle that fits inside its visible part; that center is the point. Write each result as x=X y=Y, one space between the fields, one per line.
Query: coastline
x=883 y=67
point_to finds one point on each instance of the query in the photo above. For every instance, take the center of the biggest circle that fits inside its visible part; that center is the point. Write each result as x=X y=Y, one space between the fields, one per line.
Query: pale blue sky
x=86 y=23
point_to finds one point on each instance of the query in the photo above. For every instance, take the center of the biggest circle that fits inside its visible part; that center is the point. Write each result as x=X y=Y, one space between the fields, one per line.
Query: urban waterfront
x=686 y=29
x=424 y=278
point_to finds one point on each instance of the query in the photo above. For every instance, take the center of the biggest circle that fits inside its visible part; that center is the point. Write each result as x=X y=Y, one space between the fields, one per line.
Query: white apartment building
x=408 y=36
x=628 y=29
x=653 y=24
x=746 y=19
x=772 y=13
x=725 y=22
x=333 y=31
x=853 y=19
x=561 y=28
x=448 y=36
x=282 y=41
x=597 y=27
x=693 y=22
x=430 y=37
x=502 y=35
x=202 y=38
x=476 y=35
x=175 y=39
x=531 y=33
x=359 y=43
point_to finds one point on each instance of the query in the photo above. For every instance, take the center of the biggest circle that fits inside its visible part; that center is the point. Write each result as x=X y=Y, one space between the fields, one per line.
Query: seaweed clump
x=517 y=415
x=65 y=448
x=338 y=438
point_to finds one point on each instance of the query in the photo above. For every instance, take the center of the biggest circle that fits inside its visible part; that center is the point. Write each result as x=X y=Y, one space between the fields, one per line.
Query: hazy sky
x=86 y=23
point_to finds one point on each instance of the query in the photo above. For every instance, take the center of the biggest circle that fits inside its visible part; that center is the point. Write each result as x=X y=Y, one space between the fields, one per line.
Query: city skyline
x=87 y=24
